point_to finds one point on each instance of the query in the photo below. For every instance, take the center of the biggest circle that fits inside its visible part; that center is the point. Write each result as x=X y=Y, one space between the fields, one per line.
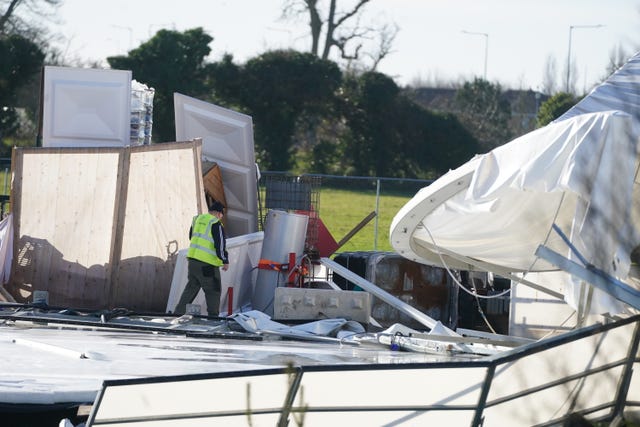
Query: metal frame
x=477 y=412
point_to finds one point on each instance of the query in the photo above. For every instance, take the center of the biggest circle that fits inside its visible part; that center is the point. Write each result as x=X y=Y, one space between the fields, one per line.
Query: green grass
x=342 y=210
x=5 y=182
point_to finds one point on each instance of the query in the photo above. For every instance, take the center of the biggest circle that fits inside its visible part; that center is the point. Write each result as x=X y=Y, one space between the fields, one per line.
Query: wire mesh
x=297 y=194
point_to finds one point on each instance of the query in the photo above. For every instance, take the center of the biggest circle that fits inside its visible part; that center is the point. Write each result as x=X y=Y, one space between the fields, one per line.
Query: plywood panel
x=213 y=185
x=100 y=228
x=162 y=200
x=63 y=229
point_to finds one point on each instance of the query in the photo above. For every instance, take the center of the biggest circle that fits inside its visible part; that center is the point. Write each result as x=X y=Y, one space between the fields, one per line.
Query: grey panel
x=227 y=139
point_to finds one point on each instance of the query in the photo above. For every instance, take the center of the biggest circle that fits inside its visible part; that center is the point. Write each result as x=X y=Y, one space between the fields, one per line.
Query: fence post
x=375 y=231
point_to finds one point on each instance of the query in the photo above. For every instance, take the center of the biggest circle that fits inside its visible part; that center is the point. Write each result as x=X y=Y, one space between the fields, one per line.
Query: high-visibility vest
x=202 y=246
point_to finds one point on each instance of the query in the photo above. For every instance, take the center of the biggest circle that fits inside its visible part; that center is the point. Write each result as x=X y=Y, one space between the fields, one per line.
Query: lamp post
x=486 y=47
x=130 y=30
x=571 y=27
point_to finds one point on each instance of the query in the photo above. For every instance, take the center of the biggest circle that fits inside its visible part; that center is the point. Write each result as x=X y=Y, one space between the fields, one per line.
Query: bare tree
x=549 y=78
x=342 y=29
x=17 y=16
x=617 y=58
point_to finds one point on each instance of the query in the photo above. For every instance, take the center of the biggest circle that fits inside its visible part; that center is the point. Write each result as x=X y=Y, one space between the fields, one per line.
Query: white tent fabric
x=493 y=212
x=258 y=322
x=6 y=248
x=559 y=174
x=619 y=92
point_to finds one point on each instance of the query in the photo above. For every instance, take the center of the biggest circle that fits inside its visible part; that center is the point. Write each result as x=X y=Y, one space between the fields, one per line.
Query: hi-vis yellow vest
x=202 y=246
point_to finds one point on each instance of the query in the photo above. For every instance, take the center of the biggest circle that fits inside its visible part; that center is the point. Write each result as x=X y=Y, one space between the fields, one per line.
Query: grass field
x=342 y=210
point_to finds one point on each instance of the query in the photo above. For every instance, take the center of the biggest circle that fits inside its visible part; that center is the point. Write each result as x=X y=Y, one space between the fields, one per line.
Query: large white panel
x=191 y=399
x=392 y=387
x=85 y=107
x=244 y=254
x=227 y=139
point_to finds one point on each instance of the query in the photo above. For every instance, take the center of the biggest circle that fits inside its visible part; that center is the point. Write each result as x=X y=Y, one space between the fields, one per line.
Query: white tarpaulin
x=620 y=92
x=577 y=174
x=493 y=212
x=6 y=245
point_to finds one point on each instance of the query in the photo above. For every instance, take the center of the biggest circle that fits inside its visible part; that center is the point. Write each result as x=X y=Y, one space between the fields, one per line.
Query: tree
x=370 y=118
x=21 y=16
x=342 y=29
x=282 y=90
x=390 y=135
x=617 y=58
x=169 y=62
x=554 y=107
x=484 y=111
x=549 y=83
x=21 y=59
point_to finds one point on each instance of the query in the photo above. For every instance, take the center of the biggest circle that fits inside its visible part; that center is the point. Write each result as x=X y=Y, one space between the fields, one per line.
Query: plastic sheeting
x=493 y=212
x=561 y=174
x=258 y=322
x=620 y=92
x=6 y=245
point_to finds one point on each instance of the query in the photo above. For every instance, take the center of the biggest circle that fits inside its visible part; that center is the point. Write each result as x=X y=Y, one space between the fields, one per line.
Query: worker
x=206 y=255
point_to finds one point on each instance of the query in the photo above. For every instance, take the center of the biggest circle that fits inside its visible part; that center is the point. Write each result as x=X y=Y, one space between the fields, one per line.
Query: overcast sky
x=517 y=37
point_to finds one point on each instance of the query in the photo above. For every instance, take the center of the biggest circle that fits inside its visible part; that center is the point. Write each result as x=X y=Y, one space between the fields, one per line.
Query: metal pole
x=486 y=54
x=571 y=27
x=569 y=59
x=486 y=48
x=375 y=231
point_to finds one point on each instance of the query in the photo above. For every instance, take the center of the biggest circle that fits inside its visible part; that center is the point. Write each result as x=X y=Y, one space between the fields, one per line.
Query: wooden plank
x=118 y=224
x=197 y=166
x=355 y=229
x=213 y=185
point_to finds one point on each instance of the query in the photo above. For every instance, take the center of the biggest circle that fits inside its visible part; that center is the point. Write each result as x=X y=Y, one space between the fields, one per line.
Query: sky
x=438 y=41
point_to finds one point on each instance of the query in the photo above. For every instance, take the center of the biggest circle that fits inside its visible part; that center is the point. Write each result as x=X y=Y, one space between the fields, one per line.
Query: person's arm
x=217 y=232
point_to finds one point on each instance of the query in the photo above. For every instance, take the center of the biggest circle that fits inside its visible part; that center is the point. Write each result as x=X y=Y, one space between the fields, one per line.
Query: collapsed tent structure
x=568 y=188
x=495 y=213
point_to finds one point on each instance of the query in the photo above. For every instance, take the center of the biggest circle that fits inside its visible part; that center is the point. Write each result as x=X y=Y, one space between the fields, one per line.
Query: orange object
x=229 y=301
x=266 y=264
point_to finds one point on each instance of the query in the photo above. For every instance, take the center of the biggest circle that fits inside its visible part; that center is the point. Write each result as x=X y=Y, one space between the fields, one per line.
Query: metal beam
x=497 y=269
x=596 y=277
x=380 y=293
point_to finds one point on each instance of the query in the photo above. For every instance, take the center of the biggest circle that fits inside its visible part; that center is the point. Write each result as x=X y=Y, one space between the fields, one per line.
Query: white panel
x=192 y=398
x=244 y=253
x=392 y=387
x=540 y=370
x=376 y=417
x=86 y=107
x=533 y=314
x=366 y=391
x=554 y=402
x=634 y=386
x=299 y=303
x=227 y=139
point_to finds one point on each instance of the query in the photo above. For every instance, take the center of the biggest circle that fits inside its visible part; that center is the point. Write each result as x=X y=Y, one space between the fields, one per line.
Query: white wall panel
x=227 y=139
x=85 y=107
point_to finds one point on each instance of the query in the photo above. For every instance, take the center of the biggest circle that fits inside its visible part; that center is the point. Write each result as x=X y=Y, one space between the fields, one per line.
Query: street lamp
x=486 y=47
x=130 y=33
x=571 y=27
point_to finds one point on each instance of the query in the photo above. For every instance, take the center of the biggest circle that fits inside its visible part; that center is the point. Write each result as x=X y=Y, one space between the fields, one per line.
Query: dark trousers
x=201 y=276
